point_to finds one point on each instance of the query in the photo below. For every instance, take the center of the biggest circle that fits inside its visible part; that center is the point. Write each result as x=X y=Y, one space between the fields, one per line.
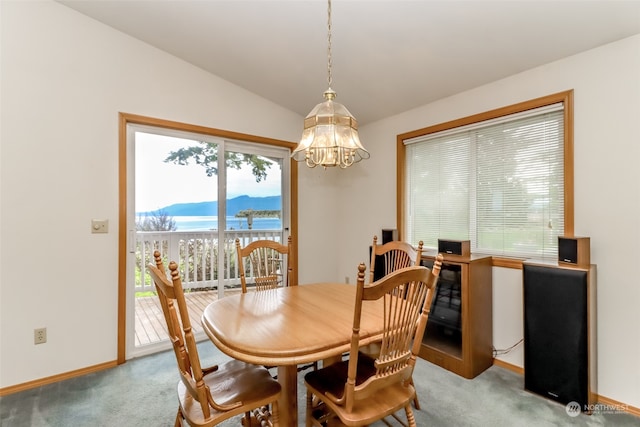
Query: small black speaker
x=378 y=273
x=454 y=247
x=559 y=340
x=574 y=250
x=389 y=235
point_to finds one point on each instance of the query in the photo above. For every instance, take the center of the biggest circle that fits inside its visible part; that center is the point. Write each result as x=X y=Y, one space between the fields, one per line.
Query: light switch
x=99 y=225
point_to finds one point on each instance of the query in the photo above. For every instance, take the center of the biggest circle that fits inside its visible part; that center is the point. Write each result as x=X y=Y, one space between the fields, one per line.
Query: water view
x=199 y=223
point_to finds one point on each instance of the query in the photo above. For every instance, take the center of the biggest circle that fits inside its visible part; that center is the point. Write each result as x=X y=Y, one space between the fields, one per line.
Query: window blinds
x=499 y=184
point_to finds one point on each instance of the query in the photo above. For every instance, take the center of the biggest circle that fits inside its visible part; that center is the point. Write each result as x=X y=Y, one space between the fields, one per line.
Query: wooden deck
x=150 y=324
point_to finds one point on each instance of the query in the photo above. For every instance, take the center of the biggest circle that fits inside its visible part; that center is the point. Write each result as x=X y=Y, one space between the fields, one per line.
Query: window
x=499 y=179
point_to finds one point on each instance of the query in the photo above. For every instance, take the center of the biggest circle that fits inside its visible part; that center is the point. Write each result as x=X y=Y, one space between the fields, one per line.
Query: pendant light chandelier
x=330 y=136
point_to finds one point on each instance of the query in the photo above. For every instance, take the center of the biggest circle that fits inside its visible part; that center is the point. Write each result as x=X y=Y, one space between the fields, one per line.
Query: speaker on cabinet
x=389 y=235
x=559 y=334
x=574 y=250
x=454 y=247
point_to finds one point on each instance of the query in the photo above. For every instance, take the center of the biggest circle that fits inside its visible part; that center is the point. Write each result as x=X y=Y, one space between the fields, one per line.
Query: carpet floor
x=141 y=392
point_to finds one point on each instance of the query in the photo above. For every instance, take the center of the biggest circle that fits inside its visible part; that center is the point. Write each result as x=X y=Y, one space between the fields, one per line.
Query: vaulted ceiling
x=388 y=56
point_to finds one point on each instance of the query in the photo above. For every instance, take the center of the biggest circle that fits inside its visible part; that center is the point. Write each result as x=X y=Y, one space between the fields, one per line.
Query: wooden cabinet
x=459 y=334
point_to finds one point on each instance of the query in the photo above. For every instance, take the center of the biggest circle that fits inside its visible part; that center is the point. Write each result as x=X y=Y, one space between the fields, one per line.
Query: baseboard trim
x=56 y=378
x=610 y=404
x=508 y=366
x=602 y=400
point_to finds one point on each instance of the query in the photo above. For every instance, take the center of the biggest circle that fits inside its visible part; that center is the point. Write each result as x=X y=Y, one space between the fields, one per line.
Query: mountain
x=234 y=206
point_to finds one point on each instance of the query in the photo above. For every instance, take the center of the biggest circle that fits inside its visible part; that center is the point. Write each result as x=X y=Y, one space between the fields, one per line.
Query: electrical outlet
x=40 y=336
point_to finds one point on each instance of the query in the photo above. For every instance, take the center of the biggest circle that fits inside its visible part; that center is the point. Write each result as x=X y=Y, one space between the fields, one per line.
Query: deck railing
x=197 y=255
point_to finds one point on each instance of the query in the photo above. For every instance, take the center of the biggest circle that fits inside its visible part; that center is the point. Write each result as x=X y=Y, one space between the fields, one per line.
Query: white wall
x=64 y=79
x=607 y=195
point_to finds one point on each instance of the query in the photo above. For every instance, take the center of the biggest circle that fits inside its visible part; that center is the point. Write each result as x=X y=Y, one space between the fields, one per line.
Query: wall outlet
x=40 y=336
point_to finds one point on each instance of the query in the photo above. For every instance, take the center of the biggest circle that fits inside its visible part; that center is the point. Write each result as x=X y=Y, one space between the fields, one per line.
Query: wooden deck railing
x=197 y=254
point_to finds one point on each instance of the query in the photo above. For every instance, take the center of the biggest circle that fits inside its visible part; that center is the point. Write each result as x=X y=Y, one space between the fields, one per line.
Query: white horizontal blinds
x=438 y=174
x=520 y=186
x=499 y=183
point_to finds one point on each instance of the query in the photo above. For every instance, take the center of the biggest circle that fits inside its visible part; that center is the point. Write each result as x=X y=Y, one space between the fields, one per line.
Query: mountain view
x=234 y=206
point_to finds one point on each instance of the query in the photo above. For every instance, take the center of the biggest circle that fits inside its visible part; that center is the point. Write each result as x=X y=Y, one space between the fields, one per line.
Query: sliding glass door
x=190 y=196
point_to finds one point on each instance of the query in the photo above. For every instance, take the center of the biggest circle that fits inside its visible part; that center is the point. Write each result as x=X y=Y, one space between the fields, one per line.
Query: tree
x=206 y=155
x=156 y=221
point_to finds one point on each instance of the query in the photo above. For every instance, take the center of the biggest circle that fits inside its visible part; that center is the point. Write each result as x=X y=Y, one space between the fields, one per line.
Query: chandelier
x=330 y=136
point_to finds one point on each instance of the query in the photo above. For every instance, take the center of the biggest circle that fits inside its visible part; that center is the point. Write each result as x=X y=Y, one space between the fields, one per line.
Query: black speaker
x=454 y=247
x=389 y=235
x=574 y=250
x=559 y=334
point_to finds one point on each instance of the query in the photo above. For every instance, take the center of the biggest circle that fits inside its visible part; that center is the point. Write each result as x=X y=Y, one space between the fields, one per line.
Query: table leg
x=288 y=403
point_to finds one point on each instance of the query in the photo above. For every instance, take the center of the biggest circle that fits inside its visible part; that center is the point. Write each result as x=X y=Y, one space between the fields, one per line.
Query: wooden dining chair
x=208 y=396
x=394 y=256
x=267 y=259
x=388 y=258
x=362 y=390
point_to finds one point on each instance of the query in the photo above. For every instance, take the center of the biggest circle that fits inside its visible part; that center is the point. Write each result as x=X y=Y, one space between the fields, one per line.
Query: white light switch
x=99 y=225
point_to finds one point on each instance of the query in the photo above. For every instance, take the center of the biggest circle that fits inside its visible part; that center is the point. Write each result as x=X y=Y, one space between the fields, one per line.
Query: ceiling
x=388 y=56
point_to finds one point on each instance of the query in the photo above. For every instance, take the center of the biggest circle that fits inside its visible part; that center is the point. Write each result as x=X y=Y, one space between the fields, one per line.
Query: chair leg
x=275 y=415
x=416 y=402
x=179 y=418
x=246 y=422
x=309 y=409
x=410 y=418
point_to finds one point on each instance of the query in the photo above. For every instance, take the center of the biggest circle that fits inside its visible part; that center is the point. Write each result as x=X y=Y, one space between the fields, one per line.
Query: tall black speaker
x=559 y=333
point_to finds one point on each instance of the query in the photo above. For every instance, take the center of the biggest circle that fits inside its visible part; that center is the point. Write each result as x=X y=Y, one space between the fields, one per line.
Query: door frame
x=124 y=120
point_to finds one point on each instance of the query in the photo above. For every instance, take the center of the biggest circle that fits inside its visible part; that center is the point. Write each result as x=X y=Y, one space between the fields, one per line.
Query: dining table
x=289 y=326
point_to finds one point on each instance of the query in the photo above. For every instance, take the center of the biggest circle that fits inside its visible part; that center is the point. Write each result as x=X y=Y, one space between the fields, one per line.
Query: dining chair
x=392 y=255
x=362 y=390
x=207 y=396
x=267 y=259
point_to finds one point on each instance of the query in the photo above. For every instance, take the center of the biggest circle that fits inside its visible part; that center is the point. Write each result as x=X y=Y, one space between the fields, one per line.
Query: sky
x=159 y=184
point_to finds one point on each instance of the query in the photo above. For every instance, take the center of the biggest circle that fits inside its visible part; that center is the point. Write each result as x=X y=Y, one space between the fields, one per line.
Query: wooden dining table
x=288 y=326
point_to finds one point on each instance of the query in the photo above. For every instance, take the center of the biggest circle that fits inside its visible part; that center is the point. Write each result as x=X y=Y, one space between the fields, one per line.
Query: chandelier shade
x=330 y=136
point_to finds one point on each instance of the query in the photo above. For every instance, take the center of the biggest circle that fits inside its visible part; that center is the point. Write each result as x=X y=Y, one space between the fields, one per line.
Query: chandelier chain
x=329 y=78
